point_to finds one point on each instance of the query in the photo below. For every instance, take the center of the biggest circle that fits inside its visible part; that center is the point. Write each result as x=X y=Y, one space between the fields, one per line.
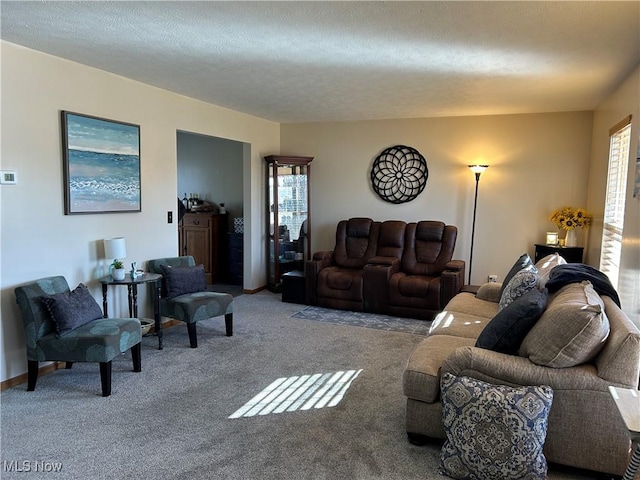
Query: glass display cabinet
x=288 y=202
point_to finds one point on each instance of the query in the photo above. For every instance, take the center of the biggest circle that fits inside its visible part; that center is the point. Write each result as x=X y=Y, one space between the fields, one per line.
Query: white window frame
x=616 y=192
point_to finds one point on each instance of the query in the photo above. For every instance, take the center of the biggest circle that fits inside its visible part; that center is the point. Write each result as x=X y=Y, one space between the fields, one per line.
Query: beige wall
x=537 y=163
x=624 y=101
x=38 y=240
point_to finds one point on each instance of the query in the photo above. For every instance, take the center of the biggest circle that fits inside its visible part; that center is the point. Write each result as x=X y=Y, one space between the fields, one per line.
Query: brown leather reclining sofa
x=391 y=267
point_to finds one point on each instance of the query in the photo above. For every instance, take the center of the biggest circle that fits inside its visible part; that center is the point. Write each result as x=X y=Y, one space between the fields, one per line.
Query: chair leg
x=32 y=375
x=193 y=339
x=68 y=365
x=105 y=378
x=228 y=321
x=137 y=357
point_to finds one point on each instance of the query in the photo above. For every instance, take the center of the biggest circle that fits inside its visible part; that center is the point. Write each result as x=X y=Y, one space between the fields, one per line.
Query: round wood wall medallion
x=399 y=174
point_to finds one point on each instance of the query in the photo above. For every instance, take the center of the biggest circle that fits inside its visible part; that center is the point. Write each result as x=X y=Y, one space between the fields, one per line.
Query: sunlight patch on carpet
x=299 y=393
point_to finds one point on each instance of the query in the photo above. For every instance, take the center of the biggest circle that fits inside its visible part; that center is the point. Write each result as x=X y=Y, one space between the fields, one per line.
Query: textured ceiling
x=324 y=61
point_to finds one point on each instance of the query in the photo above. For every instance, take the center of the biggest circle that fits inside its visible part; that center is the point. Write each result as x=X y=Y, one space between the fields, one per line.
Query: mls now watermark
x=27 y=466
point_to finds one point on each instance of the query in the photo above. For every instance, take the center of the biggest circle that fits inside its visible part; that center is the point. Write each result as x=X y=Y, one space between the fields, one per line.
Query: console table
x=132 y=289
x=570 y=254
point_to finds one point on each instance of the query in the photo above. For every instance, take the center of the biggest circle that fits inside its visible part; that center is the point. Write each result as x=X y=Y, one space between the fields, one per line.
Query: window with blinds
x=619 y=144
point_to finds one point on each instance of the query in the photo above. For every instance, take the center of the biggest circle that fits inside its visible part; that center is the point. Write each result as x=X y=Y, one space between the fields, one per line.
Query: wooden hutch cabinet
x=288 y=205
x=203 y=236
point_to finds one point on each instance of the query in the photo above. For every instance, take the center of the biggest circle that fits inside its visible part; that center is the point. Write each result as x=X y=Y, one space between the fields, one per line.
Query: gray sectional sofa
x=579 y=344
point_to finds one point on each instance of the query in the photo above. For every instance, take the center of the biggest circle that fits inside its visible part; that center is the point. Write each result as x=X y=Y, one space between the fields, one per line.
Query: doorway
x=210 y=169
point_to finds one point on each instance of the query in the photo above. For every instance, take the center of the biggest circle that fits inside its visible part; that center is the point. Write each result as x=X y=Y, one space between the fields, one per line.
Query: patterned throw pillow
x=494 y=432
x=523 y=261
x=182 y=280
x=523 y=281
x=70 y=310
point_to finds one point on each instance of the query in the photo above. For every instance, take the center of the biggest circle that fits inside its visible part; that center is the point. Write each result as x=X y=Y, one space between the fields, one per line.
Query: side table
x=132 y=288
x=294 y=287
x=570 y=254
x=628 y=403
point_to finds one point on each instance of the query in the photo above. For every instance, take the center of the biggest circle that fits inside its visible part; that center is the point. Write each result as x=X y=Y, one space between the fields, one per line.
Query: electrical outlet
x=493 y=278
x=169 y=216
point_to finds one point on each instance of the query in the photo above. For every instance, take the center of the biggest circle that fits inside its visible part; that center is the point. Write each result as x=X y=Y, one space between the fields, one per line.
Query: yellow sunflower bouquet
x=569 y=218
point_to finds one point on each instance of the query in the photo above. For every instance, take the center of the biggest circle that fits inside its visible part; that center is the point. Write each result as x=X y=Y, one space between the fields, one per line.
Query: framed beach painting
x=101 y=165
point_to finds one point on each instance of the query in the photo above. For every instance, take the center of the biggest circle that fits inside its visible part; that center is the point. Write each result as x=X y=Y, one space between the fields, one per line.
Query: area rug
x=362 y=319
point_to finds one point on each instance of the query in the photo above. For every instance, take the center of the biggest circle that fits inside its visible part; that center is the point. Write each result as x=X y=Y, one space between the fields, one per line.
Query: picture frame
x=101 y=163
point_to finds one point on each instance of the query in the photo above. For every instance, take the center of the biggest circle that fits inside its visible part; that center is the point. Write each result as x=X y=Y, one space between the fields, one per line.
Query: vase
x=571 y=239
x=118 y=274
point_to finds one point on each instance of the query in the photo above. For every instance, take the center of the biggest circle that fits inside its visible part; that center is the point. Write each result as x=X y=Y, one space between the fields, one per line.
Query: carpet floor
x=172 y=420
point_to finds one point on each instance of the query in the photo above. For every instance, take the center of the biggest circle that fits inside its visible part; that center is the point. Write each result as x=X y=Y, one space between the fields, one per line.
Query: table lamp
x=116 y=249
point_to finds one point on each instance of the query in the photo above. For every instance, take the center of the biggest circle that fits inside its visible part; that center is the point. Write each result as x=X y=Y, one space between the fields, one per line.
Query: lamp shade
x=115 y=248
x=477 y=169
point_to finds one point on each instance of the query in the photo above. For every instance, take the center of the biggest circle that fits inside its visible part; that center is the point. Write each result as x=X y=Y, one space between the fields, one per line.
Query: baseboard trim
x=12 y=382
x=169 y=323
x=255 y=290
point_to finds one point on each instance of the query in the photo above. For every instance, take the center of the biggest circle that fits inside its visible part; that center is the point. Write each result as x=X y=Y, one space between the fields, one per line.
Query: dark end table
x=294 y=287
x=132 y=289
x=570 y=254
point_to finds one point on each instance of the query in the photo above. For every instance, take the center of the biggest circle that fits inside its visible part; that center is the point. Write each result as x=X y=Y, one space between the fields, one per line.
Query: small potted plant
x=117 y=272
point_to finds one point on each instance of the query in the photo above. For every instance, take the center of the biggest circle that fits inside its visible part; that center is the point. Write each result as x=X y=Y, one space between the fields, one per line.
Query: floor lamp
x=477 y=169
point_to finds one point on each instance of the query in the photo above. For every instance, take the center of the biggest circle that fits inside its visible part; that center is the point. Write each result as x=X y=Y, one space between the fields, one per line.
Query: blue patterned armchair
x=196 y=305
x=99 y=340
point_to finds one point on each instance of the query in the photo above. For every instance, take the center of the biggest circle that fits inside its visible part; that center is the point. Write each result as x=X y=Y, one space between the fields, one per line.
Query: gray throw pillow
x=506 y=331
x=545 y=265
x=493 y=431
x=183 y=280
x=571 y=331
x=70 y=310
x=523 y=261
